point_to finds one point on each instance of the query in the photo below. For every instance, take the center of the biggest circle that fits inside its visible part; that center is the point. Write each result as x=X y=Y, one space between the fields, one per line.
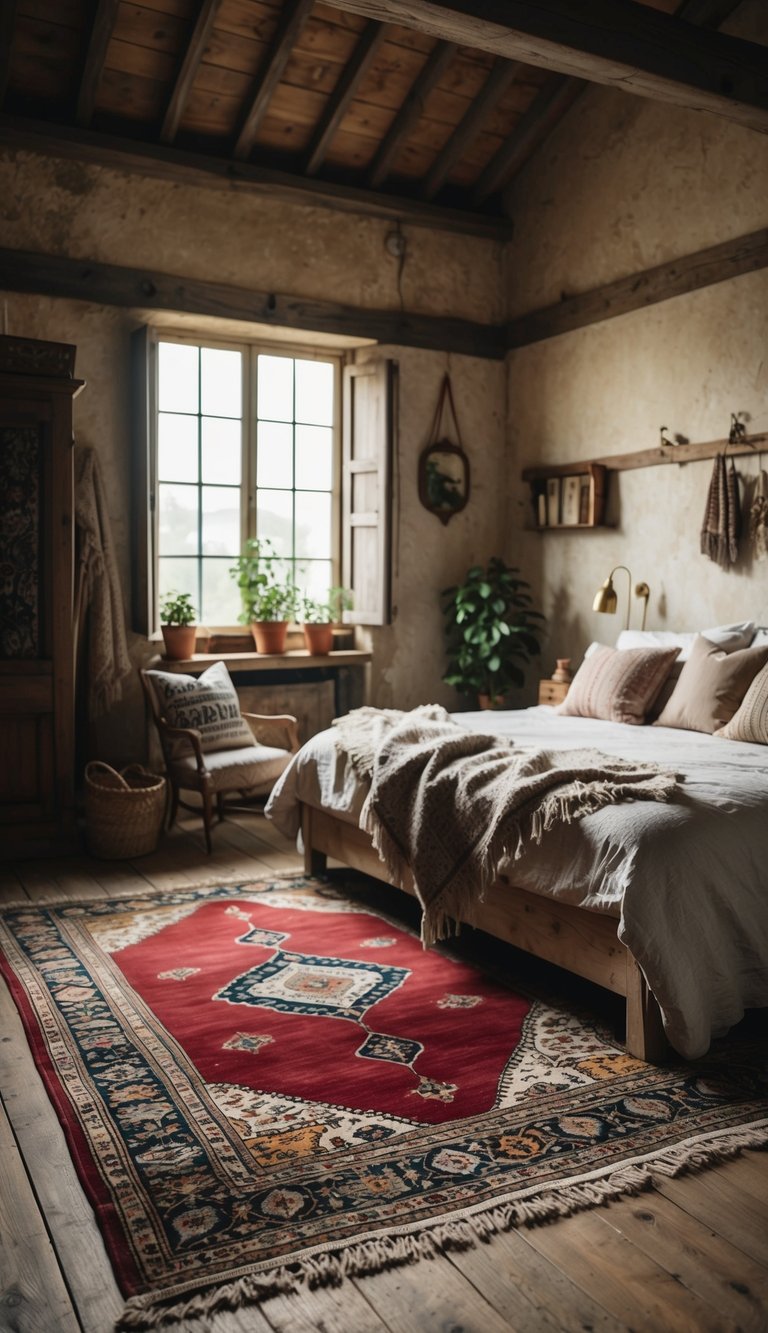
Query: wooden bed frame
x=580 y=940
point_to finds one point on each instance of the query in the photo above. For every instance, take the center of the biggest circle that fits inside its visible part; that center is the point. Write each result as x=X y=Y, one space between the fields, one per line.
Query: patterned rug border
x=331 y=1263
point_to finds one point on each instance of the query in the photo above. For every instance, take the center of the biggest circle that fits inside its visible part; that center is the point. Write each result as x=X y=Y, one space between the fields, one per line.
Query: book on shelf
x=553 y=502
x=585 y=500
x=570 y=501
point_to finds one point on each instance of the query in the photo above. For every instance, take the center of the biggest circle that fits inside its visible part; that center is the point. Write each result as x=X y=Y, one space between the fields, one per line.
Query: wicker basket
x=123 y=811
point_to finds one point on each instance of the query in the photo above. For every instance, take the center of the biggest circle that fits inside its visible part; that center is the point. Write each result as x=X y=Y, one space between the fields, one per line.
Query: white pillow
x=731 y=638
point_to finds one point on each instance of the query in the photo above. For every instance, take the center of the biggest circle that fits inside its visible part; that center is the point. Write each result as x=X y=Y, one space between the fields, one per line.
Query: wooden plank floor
x=691 y=1256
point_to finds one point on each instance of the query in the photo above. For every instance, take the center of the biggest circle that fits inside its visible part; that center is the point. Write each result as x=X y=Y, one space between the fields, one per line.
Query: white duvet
x=688 y=880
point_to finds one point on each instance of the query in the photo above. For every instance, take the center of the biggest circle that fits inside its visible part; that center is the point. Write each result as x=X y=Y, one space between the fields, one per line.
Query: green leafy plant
x=492 y=630
x=264 y=595
x=176 y=609
x=315 y=611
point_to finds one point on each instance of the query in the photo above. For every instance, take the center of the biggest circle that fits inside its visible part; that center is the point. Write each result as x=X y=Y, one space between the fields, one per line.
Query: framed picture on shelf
x=569 y=511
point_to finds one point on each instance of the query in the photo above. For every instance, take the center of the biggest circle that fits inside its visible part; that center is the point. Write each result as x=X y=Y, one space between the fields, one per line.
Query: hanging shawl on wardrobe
x=109 y=662
x=722 y=522
x=758 y=518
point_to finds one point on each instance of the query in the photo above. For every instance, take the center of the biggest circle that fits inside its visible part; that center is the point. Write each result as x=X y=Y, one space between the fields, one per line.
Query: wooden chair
x=251 y=770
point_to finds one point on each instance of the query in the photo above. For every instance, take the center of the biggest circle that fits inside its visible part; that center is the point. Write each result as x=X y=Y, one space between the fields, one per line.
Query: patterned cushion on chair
x=206 y=703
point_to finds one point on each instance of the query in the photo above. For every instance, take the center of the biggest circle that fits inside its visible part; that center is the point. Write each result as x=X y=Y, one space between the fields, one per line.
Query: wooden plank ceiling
x=316 y=93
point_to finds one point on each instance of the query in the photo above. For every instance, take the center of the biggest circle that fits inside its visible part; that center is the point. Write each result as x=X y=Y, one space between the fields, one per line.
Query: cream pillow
x=618 y=685
x=750 y=723
x=206 y=703
x=712 y=684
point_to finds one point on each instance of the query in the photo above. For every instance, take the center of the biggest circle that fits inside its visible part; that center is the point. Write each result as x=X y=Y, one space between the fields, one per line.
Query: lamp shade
x=605 y=598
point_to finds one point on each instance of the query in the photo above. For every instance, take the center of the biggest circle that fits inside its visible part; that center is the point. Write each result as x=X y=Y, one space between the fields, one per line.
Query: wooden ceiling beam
x=410 y=112
x=293 y=17
x=615 y=42
x=7 y=26
x=101 y=34
x=706 y=13
x=501 y=77
x=546 y=110
x=142 y=289
x=206 y=18
x=352 y=76
x=220 y=173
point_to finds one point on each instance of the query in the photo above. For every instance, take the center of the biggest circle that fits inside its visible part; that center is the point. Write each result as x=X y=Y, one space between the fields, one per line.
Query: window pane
x=274 y=519
x=222 y=450
x=178 y=520
x=221 y=375
x=178 y=576
x=274 y=465
x=314 y=458
x=314 y=392
x=221 y=520
x=221 y=597
x=275 y=388
x=177 y=447
x=314 y=577
x=313 y=524
x=178 y=378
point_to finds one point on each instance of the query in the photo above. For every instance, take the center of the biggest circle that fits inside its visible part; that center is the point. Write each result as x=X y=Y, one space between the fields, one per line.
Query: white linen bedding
x=688 y=880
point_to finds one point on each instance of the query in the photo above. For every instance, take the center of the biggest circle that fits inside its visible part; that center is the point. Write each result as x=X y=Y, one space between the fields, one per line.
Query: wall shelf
x=567 y=497
x=658 y=457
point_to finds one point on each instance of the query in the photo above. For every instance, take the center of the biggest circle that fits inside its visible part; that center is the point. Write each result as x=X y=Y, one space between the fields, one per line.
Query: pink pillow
x=618 y=685
x=711 y=687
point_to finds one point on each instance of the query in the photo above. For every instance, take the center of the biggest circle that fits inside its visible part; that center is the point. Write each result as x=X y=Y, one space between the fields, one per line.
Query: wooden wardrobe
x=37 y=598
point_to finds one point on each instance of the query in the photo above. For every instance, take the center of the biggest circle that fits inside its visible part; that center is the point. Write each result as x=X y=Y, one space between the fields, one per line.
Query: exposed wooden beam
x=615 y=42
x=410 y=112
x=142 y=289
x=351 y=77
x=547 y=109
x=661 y=456
x=101 y=34
x=293 y=16
x=186 y=76
x=529 y=135
x=499 y=80
x=730 y=259
x=217 y=173
x=7 y=26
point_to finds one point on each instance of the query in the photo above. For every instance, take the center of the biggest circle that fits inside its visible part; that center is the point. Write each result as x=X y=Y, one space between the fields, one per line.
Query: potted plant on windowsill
x=178 y=622
x=320 y=618
x=492 y=632
x=269 y=603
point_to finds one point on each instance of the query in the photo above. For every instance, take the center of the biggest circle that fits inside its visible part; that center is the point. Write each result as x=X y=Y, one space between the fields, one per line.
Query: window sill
x=296 y=659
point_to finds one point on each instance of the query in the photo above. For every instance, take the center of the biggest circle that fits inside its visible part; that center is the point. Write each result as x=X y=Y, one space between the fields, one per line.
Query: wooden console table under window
x=314 y=689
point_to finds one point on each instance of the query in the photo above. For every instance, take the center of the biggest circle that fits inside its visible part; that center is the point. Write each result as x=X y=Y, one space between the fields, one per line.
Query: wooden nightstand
x=552 y=691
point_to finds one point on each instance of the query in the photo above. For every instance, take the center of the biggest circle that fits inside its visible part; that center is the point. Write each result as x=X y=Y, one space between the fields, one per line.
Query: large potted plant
x=178 y=624
x=492 y=632
x=269 y=602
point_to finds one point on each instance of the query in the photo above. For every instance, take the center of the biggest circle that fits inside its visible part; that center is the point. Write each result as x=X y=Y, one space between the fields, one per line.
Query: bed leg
x=314 y=861
x=646 y=1039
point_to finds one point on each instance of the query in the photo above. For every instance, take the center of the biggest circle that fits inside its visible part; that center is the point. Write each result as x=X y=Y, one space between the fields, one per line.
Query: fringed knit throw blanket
x=449 y=805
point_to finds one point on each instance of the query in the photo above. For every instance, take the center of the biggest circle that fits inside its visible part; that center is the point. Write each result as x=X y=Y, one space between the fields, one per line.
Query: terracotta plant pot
x=179 y=641
x=485 y=701
x=270 y=635
x=318 y=639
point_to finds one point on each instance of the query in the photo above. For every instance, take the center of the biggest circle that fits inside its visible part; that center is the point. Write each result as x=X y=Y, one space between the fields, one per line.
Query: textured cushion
x=618 y=686
x=238 y=770
x=206 y=703
x=712 y=684
x=750 y=722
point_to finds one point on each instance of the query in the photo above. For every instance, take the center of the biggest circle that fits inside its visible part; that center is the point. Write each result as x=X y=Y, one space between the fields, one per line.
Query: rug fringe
x=380 y=1253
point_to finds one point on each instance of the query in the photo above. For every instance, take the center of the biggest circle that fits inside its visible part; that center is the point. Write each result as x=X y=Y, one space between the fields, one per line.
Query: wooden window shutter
x=142 y=484
x=367 y=448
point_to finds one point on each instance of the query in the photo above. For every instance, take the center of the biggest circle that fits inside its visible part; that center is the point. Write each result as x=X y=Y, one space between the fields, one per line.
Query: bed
x=665 y=904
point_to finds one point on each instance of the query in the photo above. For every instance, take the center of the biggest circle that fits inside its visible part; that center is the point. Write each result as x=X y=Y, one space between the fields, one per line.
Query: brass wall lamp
x=606 y=597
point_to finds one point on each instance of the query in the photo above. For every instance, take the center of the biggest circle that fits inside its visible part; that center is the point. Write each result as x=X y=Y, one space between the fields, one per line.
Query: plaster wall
x=625 y=184
x=91 y=213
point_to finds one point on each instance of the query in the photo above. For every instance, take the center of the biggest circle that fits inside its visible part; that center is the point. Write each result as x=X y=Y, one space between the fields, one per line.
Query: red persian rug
x=273 y=1084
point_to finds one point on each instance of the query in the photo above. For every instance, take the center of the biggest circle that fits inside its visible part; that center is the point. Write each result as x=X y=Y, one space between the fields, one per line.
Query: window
x=232 y=440
x=244 y=445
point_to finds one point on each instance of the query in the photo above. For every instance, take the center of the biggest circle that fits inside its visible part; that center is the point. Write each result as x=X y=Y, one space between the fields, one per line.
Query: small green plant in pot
x=178 y=622
x=492 y=632
x=269 y=602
